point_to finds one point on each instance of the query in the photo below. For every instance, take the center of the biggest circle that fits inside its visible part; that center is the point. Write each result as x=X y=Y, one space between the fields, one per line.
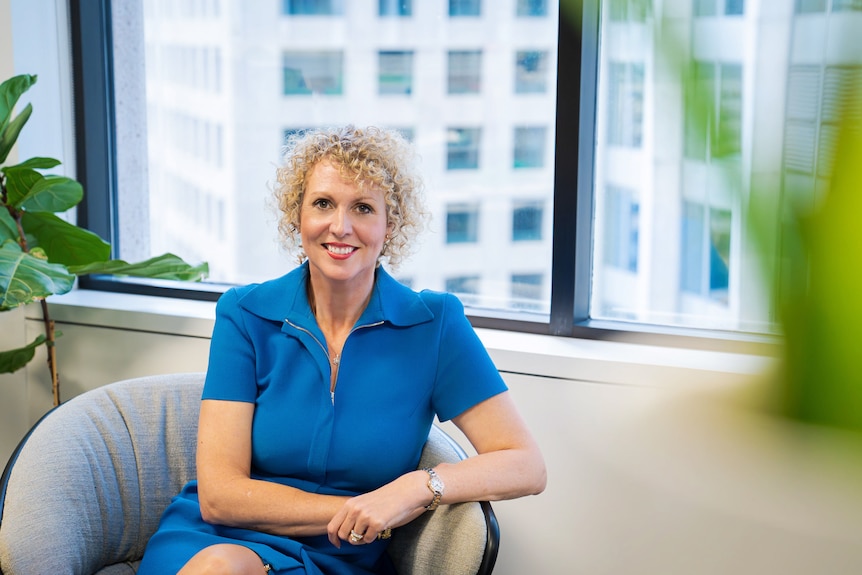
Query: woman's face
x=342 y=226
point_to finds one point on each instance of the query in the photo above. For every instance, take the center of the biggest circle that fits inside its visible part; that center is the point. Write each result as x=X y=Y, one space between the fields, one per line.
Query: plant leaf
x=10 y=131
x=166 y=267
x=53 y=194
x=10 y=91
x=19 y=182
x=14 y=359
x=65 y=243
x=8 y=229
x=37 y=163
x=25 y=278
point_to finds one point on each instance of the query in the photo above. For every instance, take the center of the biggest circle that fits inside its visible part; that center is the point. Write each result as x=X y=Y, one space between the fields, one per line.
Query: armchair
x=85 y=489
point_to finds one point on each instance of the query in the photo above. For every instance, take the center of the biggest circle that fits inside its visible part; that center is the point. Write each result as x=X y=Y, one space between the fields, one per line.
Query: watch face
x=436 y=484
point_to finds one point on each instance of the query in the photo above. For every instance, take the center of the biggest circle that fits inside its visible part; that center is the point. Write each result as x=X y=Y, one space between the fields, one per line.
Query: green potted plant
x=42 y=254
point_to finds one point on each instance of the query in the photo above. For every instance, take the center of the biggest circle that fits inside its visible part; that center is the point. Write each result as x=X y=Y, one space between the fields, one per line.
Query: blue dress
x=411 y=356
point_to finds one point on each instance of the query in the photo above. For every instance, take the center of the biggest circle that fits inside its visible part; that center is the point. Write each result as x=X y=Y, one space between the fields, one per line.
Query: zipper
x=337 y=361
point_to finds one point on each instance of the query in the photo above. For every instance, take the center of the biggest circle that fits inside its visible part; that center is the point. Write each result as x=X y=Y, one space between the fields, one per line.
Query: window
x=531 y=72
x=288 y=132
x=532 y=8
x=734 y=7
x=846 y=5
x=313 y=7
x=717 y=133
x=705 y=266
x=806 y=6
x=525 y=289
x=464 y=7
x=312 y=73
x=623 y=145
x=462 y=223
x=465 y=287
x=462 y=147
x=816 y=96
x=395 y=7
x=465 y=72
x=704 y=7
x=408 y=133
x=529 y=147
x=714 y=7
x=527 y=221
x=629 y=10
x=395 y=73
x=622 y=229
x=625 y=107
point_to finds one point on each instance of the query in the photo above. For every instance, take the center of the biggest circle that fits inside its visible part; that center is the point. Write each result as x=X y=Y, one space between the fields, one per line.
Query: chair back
x=85 y=490
x=87 y=487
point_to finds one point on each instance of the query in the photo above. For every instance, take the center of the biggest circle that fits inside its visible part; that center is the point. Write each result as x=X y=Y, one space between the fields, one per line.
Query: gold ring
x=385 y=534
x=356 y=537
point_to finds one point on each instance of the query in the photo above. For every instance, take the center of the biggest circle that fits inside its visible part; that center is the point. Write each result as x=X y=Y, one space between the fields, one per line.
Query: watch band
x=435 y=485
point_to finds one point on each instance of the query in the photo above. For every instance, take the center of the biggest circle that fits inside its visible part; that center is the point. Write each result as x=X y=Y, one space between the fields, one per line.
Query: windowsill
x=564 y=358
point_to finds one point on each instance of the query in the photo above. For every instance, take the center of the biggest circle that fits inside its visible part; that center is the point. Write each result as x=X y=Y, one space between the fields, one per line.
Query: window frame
x=573 y=196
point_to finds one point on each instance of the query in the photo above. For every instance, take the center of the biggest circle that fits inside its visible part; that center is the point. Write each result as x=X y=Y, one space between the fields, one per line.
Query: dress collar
x=286 y=298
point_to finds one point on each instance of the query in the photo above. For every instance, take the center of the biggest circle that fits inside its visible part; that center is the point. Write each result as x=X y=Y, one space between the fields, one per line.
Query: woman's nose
x=341 y=224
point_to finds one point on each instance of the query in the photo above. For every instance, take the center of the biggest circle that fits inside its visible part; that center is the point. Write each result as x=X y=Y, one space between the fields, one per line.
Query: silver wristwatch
x=435 y=484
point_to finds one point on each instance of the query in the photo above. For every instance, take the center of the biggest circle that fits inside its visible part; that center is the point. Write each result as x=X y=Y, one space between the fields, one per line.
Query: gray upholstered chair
x=86 y=488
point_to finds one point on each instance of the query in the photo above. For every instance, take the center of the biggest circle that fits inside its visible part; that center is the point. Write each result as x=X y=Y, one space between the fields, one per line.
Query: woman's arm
x=509 y=464
x=229 y=496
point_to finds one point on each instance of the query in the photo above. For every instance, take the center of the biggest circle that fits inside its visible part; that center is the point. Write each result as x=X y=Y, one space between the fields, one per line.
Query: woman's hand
x=362 y=518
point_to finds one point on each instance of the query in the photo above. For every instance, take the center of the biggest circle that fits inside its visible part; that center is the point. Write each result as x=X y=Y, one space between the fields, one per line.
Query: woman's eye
x=364 y=209
x=321 y=203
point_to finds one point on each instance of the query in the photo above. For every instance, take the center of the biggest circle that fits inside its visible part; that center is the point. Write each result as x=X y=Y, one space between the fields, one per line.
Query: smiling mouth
x=339 y=250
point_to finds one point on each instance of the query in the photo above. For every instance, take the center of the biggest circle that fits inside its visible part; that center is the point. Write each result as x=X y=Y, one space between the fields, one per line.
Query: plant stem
x=46 y=318
x=52 y=352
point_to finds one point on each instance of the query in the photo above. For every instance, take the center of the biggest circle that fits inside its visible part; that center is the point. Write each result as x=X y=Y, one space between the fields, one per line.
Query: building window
x=462 y=148
x=313 y=7
x=531 y=72
x=395 y=73
x=704 y=8
x=408 y=133
x=734 y=7
x=532 y=8
x=847 y=5
x=289 y=132
x=705 y=265
x=462 y=223
x=629 y=10
x=530 y=147
x=816 y=99
x=312 y=73
x=622 y=229
x=465 y=287
x=625 y=104
x=527 y=291
x=527 y=221
x=808 y=6
x=717 y=132
x=465 y=7
x=395 y=7
x=465 y=72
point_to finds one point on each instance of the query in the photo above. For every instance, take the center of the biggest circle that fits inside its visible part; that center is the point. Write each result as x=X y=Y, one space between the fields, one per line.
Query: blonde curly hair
x=371 y=156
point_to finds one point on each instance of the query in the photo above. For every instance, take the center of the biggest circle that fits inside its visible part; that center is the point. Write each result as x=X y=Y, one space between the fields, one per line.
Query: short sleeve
x=466 y=375
x=231 y=370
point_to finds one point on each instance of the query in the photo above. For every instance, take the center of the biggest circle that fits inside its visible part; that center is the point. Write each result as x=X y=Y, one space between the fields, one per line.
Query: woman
x=322 y=386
